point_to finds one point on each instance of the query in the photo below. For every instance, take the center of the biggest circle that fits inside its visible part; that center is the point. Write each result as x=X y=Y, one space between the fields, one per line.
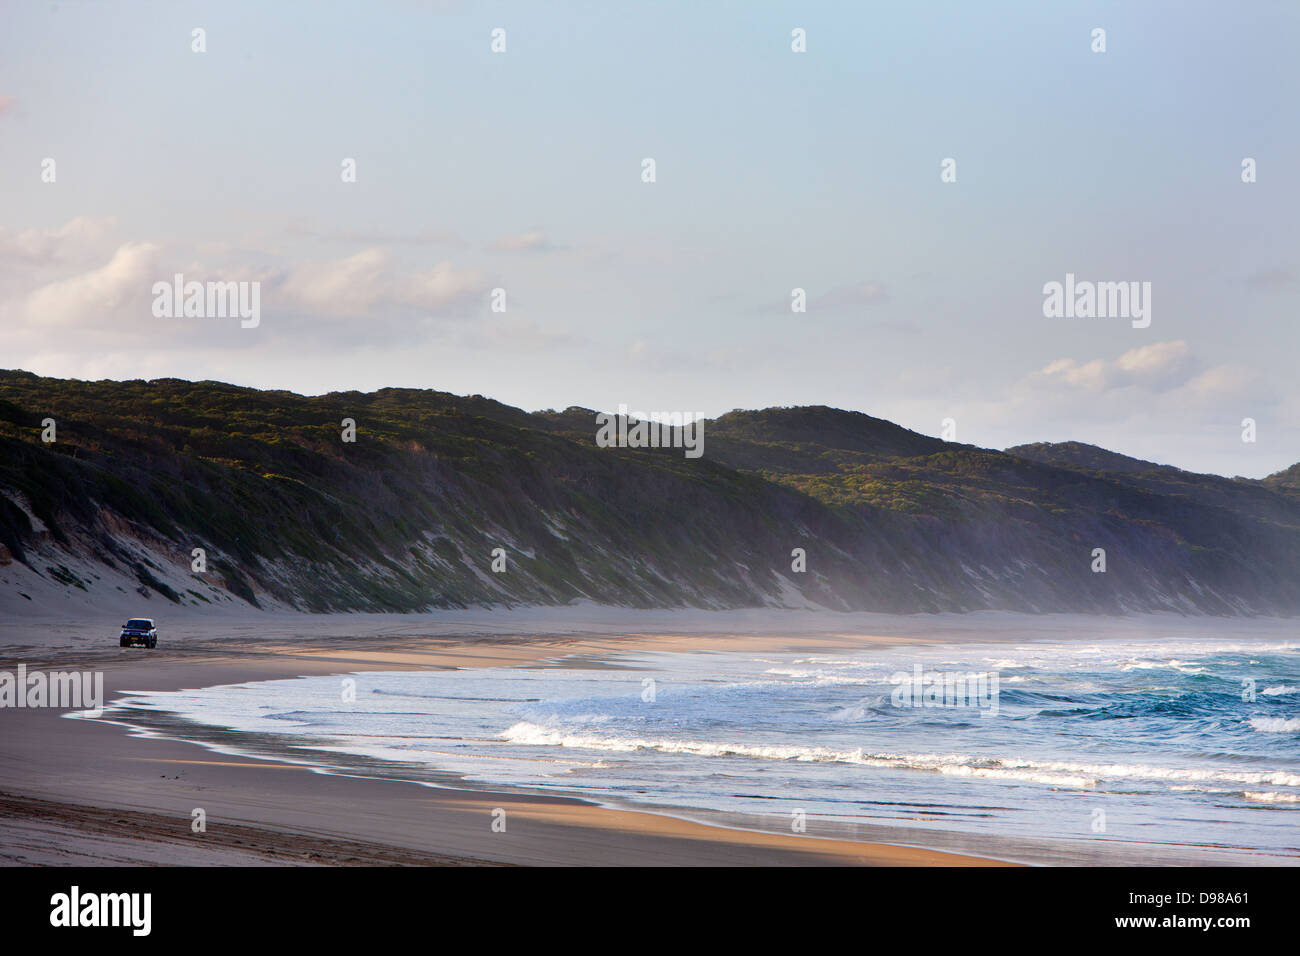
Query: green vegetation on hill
x=407 y=516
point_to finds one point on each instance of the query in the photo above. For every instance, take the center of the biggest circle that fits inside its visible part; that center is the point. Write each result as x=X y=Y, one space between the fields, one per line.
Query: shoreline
x=338 y=817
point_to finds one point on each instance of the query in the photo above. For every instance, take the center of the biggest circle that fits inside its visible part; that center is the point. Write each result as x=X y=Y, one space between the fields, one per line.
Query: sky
x=775 y=170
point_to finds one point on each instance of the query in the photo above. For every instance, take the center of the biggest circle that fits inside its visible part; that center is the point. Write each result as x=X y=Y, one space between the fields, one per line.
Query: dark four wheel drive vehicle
x=139 y=630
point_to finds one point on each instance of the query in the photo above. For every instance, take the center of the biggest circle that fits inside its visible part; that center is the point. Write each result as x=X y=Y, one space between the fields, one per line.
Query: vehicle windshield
x=137 y=624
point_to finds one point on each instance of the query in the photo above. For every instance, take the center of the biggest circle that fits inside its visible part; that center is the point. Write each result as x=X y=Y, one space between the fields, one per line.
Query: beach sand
x=87 y=792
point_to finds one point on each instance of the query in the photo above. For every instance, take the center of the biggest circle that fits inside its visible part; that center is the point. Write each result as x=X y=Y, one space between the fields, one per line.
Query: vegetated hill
x=407 y=517
x=1288 y=479
x=1075 y=454
x=809 y=440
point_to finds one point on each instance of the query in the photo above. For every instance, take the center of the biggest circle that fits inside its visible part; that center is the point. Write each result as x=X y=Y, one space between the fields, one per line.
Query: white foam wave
x=817 y=675
x=1272 y=797
x=1276 y=725
x=1060 y=773
x=1183 y=667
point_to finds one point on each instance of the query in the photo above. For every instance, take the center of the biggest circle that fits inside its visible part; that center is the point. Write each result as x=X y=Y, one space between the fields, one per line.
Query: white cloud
x=78 y=240
x=1089 y=375
x=1157 y=359
x=96 y=291
x=369 y=280
x=1158 y=366
x=91 y=296
x=1222 y=384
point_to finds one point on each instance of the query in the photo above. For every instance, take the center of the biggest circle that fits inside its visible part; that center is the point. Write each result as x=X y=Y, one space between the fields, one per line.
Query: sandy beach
x=87 y=792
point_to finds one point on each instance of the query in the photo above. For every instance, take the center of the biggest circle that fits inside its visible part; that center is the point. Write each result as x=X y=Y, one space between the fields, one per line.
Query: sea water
x=1192 y=741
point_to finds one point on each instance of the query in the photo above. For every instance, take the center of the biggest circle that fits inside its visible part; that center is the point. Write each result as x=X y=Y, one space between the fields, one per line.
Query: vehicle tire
x=153 y=642
x=121 y=642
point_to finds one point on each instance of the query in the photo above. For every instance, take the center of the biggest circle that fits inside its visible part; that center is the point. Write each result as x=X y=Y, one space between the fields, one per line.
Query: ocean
x=1192 y=741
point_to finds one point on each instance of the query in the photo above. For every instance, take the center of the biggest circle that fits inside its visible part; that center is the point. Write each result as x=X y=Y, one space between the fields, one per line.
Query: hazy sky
x=820 y=170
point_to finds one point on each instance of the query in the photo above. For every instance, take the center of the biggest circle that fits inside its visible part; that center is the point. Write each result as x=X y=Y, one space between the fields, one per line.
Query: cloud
x=1158 y=366
x=526 y=242
x=1157 y=401
x=1221 y=384
x=78 y=240
x=1087 y=375
x=1154 y=362
x=1148 y=390
x=369 y=280
x=88 y=296
x=79 y=278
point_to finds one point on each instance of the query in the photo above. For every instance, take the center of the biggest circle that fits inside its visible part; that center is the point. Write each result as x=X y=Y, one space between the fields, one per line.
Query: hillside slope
x=407 y=517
